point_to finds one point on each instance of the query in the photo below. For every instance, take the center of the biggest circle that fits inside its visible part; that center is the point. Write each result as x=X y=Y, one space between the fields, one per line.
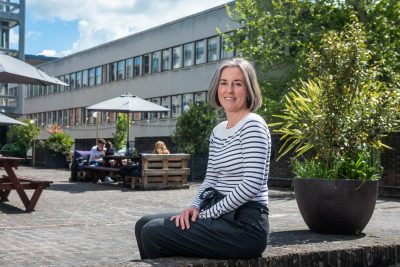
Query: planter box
x=55 y=160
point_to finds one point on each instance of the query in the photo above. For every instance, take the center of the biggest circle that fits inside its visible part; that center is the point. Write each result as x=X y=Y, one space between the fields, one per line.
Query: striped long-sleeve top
x=238 y=165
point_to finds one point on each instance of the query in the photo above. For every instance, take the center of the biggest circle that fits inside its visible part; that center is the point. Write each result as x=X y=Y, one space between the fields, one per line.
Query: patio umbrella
x=13 y=70
x=125 y=104
x=5 y=120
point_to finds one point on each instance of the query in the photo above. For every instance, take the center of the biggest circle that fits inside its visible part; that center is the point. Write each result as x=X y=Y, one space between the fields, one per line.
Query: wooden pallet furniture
x=169 y=171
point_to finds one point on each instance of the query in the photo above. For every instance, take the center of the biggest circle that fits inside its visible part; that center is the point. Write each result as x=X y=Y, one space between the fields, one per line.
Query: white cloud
x=102 y=21
x=48 y=53
x=14 y=37
x=33 y=34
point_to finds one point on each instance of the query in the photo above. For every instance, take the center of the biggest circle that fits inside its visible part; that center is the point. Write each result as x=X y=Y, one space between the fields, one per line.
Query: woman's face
x=232 y=90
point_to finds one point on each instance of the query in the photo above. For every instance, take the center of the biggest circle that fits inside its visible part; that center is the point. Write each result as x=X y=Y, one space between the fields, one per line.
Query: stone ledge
x=370 y=255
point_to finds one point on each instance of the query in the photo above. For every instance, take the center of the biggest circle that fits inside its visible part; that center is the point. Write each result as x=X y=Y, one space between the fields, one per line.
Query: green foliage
x=277 y=36
x=344 y=110
x=21 y=138
x=120 y=135
x=193 y=129
x=59 y=142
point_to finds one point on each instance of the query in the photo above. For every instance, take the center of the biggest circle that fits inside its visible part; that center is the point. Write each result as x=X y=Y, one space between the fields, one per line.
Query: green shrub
x=59 y=142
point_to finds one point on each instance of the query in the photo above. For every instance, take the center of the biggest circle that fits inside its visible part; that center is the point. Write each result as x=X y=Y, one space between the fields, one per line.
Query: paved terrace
x=85 y=224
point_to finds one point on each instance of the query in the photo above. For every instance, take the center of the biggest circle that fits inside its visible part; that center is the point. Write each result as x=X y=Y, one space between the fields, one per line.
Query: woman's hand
x=182 y=220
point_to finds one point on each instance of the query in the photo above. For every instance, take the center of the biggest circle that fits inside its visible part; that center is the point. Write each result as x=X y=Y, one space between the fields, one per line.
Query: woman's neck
x=235 y=117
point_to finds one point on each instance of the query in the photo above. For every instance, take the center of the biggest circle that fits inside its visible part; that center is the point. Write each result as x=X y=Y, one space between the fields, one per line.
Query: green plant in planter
x=21 y=138
x=342 y=113
x=59 y=142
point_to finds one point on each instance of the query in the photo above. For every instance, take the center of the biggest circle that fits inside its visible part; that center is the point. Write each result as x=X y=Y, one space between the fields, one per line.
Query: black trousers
x=239 y=234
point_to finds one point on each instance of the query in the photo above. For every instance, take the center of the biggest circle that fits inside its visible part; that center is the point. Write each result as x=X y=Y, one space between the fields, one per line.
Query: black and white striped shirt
x=238 y=165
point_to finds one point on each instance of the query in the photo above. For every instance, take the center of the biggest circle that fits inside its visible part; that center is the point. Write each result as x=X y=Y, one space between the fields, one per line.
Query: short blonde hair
x=250 y=76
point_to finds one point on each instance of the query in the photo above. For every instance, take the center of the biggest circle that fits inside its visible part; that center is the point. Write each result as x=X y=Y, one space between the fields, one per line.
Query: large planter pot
x=198 y=167
x=336 y=206
x=55 y=160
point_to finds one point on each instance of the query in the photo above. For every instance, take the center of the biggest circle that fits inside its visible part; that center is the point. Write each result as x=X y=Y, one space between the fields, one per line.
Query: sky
x=61 y=27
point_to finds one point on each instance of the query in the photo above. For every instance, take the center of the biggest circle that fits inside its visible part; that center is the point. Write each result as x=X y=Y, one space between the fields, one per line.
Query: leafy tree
x=193 y=129
x=21 y=137
x=278 y=34
x=119 y=137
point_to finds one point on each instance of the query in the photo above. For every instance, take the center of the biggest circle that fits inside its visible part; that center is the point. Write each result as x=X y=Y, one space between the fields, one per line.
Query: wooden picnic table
x=19 y=183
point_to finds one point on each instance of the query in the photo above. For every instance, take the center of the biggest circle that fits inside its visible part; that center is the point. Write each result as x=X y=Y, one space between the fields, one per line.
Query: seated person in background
x=160 y=148
x=109 y=148
x=97 y=153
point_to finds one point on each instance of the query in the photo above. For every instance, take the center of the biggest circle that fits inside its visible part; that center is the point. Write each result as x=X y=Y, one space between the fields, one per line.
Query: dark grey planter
x=54 y=160
x=336 y=206
x=198 y=167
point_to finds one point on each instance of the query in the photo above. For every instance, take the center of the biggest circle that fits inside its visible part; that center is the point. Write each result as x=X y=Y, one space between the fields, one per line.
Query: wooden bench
x=93 y=172
x=162 y=172
x=26 y=182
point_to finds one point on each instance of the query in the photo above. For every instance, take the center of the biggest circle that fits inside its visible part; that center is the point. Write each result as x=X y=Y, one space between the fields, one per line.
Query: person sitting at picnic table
x=160 y=148
x=228 y=217
x=97 y=153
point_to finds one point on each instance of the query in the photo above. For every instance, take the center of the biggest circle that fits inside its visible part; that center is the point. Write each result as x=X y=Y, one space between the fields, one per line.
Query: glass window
x=166 y=59
x=188 y=54
x=146 y=64
x=187 y=101
x=78 y=118
x=200 y=53
x=85 y=78
x=79 y=79
x=176 y=106
x=91 y=77
x=67 y=81
x=200 y=97
x=155 y=100
x=226 y=47
x=71 y=117
x=105 y=73
x=212 y=49
x=121 y=70
x=176 y=57
x=112 y=71
x=83 y=116
x=155 y=63
x=98 y=75
x=73 y=81
x=51 y=89
x=166 y=102
x=137 y=66
x=129 y=68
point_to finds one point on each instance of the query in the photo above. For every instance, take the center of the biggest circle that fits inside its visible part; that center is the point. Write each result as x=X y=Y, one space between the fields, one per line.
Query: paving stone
x=86 y=224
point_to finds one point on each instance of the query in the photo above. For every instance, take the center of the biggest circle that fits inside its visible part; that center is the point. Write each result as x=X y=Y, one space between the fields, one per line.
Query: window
x=176 y=57
x=212 y=49
x=155 y=100
x=146 y=64
x=121 y=70
x=105 y=73
x=79 y=79
x=98 y=75
x=73 y=81
x=67 y=81
x=155 y=64
x=85 y=78
x=200 y=97
x=71 y=117
x=226 y=47
x=112 y=71
x=200 y=53
x=166 y=59
x=166 y=102
x=187 y=101
x=129 y=68
x=137 y=66
x=188 y=54
x=78 y=118
x=176 y=106
x=91 y=77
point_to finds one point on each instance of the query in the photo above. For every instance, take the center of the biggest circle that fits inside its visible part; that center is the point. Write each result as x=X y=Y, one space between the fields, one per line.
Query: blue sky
x=61 y=27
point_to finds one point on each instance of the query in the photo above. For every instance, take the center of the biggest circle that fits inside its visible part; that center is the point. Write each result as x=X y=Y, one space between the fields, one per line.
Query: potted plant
x=192 y=135
x=335 y=122
x=58 y=147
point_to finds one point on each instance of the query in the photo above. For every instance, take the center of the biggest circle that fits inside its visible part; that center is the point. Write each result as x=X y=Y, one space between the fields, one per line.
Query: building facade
x=170 y=65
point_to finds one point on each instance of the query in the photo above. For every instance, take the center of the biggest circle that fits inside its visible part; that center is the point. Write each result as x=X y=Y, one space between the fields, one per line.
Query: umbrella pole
x=127 y=138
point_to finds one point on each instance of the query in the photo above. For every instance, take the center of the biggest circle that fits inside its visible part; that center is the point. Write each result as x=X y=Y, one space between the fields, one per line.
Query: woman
x=235 y=226
x=160 y=148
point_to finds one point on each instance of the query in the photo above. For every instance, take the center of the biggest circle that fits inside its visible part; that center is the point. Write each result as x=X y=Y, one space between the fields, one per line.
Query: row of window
x=76 y=116
x=198 y=52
